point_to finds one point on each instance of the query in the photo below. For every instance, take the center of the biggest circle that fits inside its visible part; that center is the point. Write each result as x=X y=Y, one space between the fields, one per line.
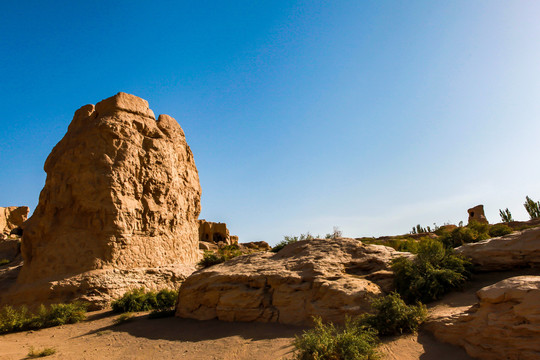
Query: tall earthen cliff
x=122 y=193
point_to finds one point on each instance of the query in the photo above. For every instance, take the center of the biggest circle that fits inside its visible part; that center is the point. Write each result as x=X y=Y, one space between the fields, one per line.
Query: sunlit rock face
x=122 y=192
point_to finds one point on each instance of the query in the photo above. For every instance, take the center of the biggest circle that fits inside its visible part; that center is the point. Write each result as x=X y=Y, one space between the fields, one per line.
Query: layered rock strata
x=504 y=325
x=327 y=278
x=516 y=250
x=122 y=195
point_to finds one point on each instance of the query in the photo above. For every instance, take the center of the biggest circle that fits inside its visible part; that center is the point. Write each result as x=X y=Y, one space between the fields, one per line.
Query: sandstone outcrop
x=9 y=248
x=477 y=214
x=122 y=195
x=329 y=278
x=12 y=217
x=255 y=245
x=516 y=250
x=505 y=325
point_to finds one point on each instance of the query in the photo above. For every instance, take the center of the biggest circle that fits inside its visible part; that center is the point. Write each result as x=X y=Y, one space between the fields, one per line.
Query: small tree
x=533 y=208
x=506 y=216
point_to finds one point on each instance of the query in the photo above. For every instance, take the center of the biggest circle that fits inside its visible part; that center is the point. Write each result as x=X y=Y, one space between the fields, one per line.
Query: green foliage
x=12 y=320
x=32 y=354
x=506 y=216
x=141 y=300
x=499 y=230
x=328 y=342
x=435 y=271
x=225 y=253
x=124 y=318
x=473 y=232
x=159 y=314
x=533 y=208
x=4 y=262
x=291 y=240
x=392 y=316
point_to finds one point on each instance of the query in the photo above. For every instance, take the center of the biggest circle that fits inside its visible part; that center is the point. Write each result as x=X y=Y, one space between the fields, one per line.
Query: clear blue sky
x=372 y=116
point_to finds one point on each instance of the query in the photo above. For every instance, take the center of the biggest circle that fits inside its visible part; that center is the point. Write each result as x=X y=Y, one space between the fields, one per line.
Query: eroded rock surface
x=327 y=278
x=12 y=217
x=505 y=325
x=517 y=250
x=122 y=192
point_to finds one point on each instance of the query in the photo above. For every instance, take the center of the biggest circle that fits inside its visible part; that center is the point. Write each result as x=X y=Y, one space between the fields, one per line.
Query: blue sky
x=372 y=116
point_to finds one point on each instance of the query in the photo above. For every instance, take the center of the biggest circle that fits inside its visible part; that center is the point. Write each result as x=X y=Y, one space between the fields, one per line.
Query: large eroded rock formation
x=504 y=325
x=328 y=278
x=122 y=193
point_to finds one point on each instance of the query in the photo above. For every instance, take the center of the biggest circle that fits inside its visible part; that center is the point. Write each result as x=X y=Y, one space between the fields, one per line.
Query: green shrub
x=392 y=316
x=435 y=271
x=473 y=232
x=4 y=262
x=12 y=320
x=159 y=314
x=32 y=354
x=328 y=342
x=499 y=230
x=141 y=300
x=533 y=208
x=506 y=216
x=225 y=253
x=124 y=318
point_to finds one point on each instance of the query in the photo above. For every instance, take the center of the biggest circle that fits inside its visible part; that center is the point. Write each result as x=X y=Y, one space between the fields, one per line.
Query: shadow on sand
x=189 y=330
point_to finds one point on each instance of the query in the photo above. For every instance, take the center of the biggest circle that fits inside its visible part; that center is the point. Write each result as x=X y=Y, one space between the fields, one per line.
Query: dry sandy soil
x=174 y=338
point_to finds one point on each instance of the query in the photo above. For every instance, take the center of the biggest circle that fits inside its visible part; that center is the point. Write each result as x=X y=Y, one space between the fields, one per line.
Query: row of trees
x=532 y=207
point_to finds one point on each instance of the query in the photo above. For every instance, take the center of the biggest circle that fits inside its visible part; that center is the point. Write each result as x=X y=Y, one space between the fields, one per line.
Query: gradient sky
x=372 y=116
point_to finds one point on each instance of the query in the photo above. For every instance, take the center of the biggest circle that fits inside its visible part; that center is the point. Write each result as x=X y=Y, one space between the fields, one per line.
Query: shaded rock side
x=504 y=325
x=12 y=217
x=122 y=192
x=327 y=278
x=517 y=250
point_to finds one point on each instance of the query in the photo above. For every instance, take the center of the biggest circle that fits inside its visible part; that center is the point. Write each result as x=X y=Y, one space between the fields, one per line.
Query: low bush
x=499 y=230
x=328 y=342
x=225 y=253
x=473 y=232
x=435 y=271
x=159 y=314
x=12 y=320
x=32 y=354
x=141 y=300
x=124 y=318
x=393 y=316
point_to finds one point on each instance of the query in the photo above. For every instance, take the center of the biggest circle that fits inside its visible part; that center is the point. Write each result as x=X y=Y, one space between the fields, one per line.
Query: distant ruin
x=476 y=214
x=216 y=233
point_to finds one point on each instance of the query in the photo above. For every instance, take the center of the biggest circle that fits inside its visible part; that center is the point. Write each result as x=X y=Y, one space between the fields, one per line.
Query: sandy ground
x=174 y=338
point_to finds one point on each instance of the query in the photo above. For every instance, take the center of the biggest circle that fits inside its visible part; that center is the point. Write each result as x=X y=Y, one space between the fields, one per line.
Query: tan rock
x=515 y=250
x=12 y=217
x=328 y=278
x=122 y=192
x=505 y=325
x=9 y=248
x=255 y=245
x=477 y=214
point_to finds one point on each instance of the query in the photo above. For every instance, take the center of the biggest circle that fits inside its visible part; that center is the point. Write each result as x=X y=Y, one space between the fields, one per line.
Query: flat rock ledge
x=326 y=278
x=504 y=325
x=97 y=288
x=517 y=250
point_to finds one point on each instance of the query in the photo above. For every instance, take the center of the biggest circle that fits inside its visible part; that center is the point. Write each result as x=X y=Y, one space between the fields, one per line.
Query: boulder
x=12 y=217
x=122 y=193
x=9 y=248
x=504 y=325
x=255 y=245
x=516 y=250
x=328 y=278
